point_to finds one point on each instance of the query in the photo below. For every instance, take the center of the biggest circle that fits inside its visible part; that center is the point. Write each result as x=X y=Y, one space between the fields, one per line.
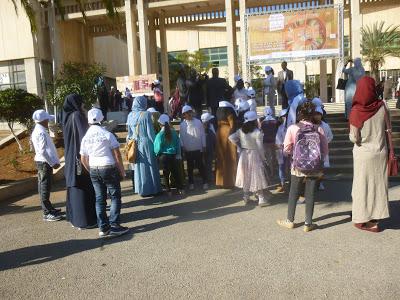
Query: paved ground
x=204 y=246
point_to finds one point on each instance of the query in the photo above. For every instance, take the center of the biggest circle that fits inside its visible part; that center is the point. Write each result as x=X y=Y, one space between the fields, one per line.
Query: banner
x=138 y=85
x=294 y=35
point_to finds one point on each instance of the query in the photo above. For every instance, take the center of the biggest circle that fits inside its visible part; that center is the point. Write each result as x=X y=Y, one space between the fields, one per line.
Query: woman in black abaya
x=81 y=211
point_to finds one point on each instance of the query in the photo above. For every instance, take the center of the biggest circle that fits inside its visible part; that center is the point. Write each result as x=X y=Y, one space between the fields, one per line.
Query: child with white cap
x=167 y=148
x=269 y=127
x=100 y=155
x=193 y=142
x=241 y=108
x=283 y=161
x=240 y=92
x=46 y=160
x=251 y=175
x=211 y=140
x=251 y=93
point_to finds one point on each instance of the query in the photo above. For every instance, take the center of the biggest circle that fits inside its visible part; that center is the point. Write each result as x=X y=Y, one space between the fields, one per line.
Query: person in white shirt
x=100 y=155
x=251 y=93
x=269 y=85
x=283 y=161
x=46 y=160
x=193 y=141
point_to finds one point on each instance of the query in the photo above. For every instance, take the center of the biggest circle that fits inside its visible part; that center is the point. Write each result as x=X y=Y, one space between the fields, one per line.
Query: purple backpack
x=307 y=149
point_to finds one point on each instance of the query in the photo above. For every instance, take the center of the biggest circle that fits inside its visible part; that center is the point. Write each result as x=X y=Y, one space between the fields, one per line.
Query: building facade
x=147 y=33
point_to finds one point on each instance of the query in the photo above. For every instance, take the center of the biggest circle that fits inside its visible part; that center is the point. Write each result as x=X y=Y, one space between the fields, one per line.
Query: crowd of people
x=230 y=145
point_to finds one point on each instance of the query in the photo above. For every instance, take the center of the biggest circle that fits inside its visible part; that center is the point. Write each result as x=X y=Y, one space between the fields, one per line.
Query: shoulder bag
x=131 y=145
x=78 y=163
x=393 y=164
x=341 y=84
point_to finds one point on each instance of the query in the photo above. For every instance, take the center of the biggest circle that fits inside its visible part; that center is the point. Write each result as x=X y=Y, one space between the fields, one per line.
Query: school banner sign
x=291 y=35
x=137 y=85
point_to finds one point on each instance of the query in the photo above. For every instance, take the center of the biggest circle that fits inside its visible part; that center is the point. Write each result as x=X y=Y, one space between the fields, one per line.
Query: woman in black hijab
x=81 y=211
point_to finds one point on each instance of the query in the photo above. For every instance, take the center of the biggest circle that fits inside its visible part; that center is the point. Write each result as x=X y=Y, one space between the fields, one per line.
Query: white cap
x=95 y=116
x=237 y=78
x=283 y=112
x=317 y=102
x=319 y=110
x=268 y=111
x=41 y=115
x=186 y=108
x=243 y=106
x=151 y=110
x=156 y=82
x=163 y=119
x=250 y=116
x=267 y=69
x=206 y=117
x=251 y=92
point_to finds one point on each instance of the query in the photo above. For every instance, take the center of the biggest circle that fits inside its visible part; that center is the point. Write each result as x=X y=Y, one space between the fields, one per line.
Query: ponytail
x=168 y=133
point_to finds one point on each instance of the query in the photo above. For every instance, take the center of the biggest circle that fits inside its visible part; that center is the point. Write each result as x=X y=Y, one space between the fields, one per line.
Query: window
x=12 y=75
x=218 y=57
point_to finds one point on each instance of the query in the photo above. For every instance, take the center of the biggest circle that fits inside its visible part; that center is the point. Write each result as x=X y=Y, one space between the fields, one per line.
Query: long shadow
x=334 y=215
x=39 y=254
x=178 y=212
x=394 y=221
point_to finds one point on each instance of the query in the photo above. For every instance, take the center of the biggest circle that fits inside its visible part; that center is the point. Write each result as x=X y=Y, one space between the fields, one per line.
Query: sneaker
x=280 y=190
x=56 y=211
x=205 y=186
x=321 y=187
x=285 y=223
x=310 y=227
x=52 y=217
x=191 y=186
x=104 y=233
x=118 y=230
x=262 y=203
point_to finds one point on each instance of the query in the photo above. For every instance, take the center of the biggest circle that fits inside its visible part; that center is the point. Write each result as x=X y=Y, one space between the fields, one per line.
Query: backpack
x=307 y=149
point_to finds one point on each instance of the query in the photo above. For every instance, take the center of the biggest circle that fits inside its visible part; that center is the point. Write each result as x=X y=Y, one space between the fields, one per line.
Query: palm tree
x=377 y=43
x=28 y=6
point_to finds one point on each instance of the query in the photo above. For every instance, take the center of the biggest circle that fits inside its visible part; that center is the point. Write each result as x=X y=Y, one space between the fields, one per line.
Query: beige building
x=149 y=32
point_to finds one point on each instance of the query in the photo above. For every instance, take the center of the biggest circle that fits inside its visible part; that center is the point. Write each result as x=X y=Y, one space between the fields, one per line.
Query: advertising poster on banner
x=294 y=34
x=138 y=85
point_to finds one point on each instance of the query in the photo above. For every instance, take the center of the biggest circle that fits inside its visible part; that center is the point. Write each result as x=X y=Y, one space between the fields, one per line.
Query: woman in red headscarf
x=370 y=154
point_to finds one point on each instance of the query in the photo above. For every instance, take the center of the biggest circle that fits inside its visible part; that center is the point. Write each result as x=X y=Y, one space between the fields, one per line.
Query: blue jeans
x=106 y=179
x=284 y=169
x=45 y=173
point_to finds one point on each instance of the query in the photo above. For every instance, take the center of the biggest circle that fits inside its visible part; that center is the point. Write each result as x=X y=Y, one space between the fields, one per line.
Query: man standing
x=216 y=88
x=46 y=160
x=283 y=77
x=100 y=155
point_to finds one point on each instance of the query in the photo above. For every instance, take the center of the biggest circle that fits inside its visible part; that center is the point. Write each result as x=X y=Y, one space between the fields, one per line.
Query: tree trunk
x=15 y=137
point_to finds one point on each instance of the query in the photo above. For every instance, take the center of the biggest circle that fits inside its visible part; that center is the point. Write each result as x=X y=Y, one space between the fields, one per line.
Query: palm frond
x=30 y=13
x=111 y=8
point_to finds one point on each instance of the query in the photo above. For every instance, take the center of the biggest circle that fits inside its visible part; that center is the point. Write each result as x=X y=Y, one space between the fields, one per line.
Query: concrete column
x=323 y=92
x=164 y=60
x=153 y=44
x=132 y=41
x=144 y=37
x=355 y=27
x=231 y=39
x=243 y=44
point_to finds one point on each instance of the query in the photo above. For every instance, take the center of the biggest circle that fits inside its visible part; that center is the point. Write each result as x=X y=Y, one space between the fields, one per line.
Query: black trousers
x=45 y=173
x=170 y=166
x=296 y=186
x=195 y=158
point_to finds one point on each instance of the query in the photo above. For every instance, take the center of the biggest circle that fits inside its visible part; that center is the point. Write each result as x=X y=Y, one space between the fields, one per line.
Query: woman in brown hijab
x=226 y=153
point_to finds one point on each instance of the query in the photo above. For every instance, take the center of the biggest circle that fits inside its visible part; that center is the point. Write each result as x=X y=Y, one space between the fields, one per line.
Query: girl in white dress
x=251 y=173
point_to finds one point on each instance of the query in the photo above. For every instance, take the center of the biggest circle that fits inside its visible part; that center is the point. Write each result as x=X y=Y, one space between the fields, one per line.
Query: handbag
x=131 y=148
x=393 y=163
x=341 y=84
x=78 y=163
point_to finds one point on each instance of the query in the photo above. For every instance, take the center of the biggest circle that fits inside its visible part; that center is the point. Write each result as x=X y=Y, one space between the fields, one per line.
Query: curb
x=23 y=187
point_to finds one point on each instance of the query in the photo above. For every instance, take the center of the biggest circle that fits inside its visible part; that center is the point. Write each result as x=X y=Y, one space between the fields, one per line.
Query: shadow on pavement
x=394 y=221
x=201 y=209
x=334 y=215
x=39 y=254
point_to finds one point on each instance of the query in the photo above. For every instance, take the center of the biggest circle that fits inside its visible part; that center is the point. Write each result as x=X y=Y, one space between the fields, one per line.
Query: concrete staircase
x=341 y=157
x=340 y=149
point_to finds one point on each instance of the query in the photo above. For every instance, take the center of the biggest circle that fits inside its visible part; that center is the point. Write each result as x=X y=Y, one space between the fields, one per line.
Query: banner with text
x=137 y=85
x=294 y=35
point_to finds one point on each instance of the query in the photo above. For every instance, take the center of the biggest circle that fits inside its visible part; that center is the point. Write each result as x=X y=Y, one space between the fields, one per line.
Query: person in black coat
x=196 y=84
x=216 y=88
x=81 y=211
